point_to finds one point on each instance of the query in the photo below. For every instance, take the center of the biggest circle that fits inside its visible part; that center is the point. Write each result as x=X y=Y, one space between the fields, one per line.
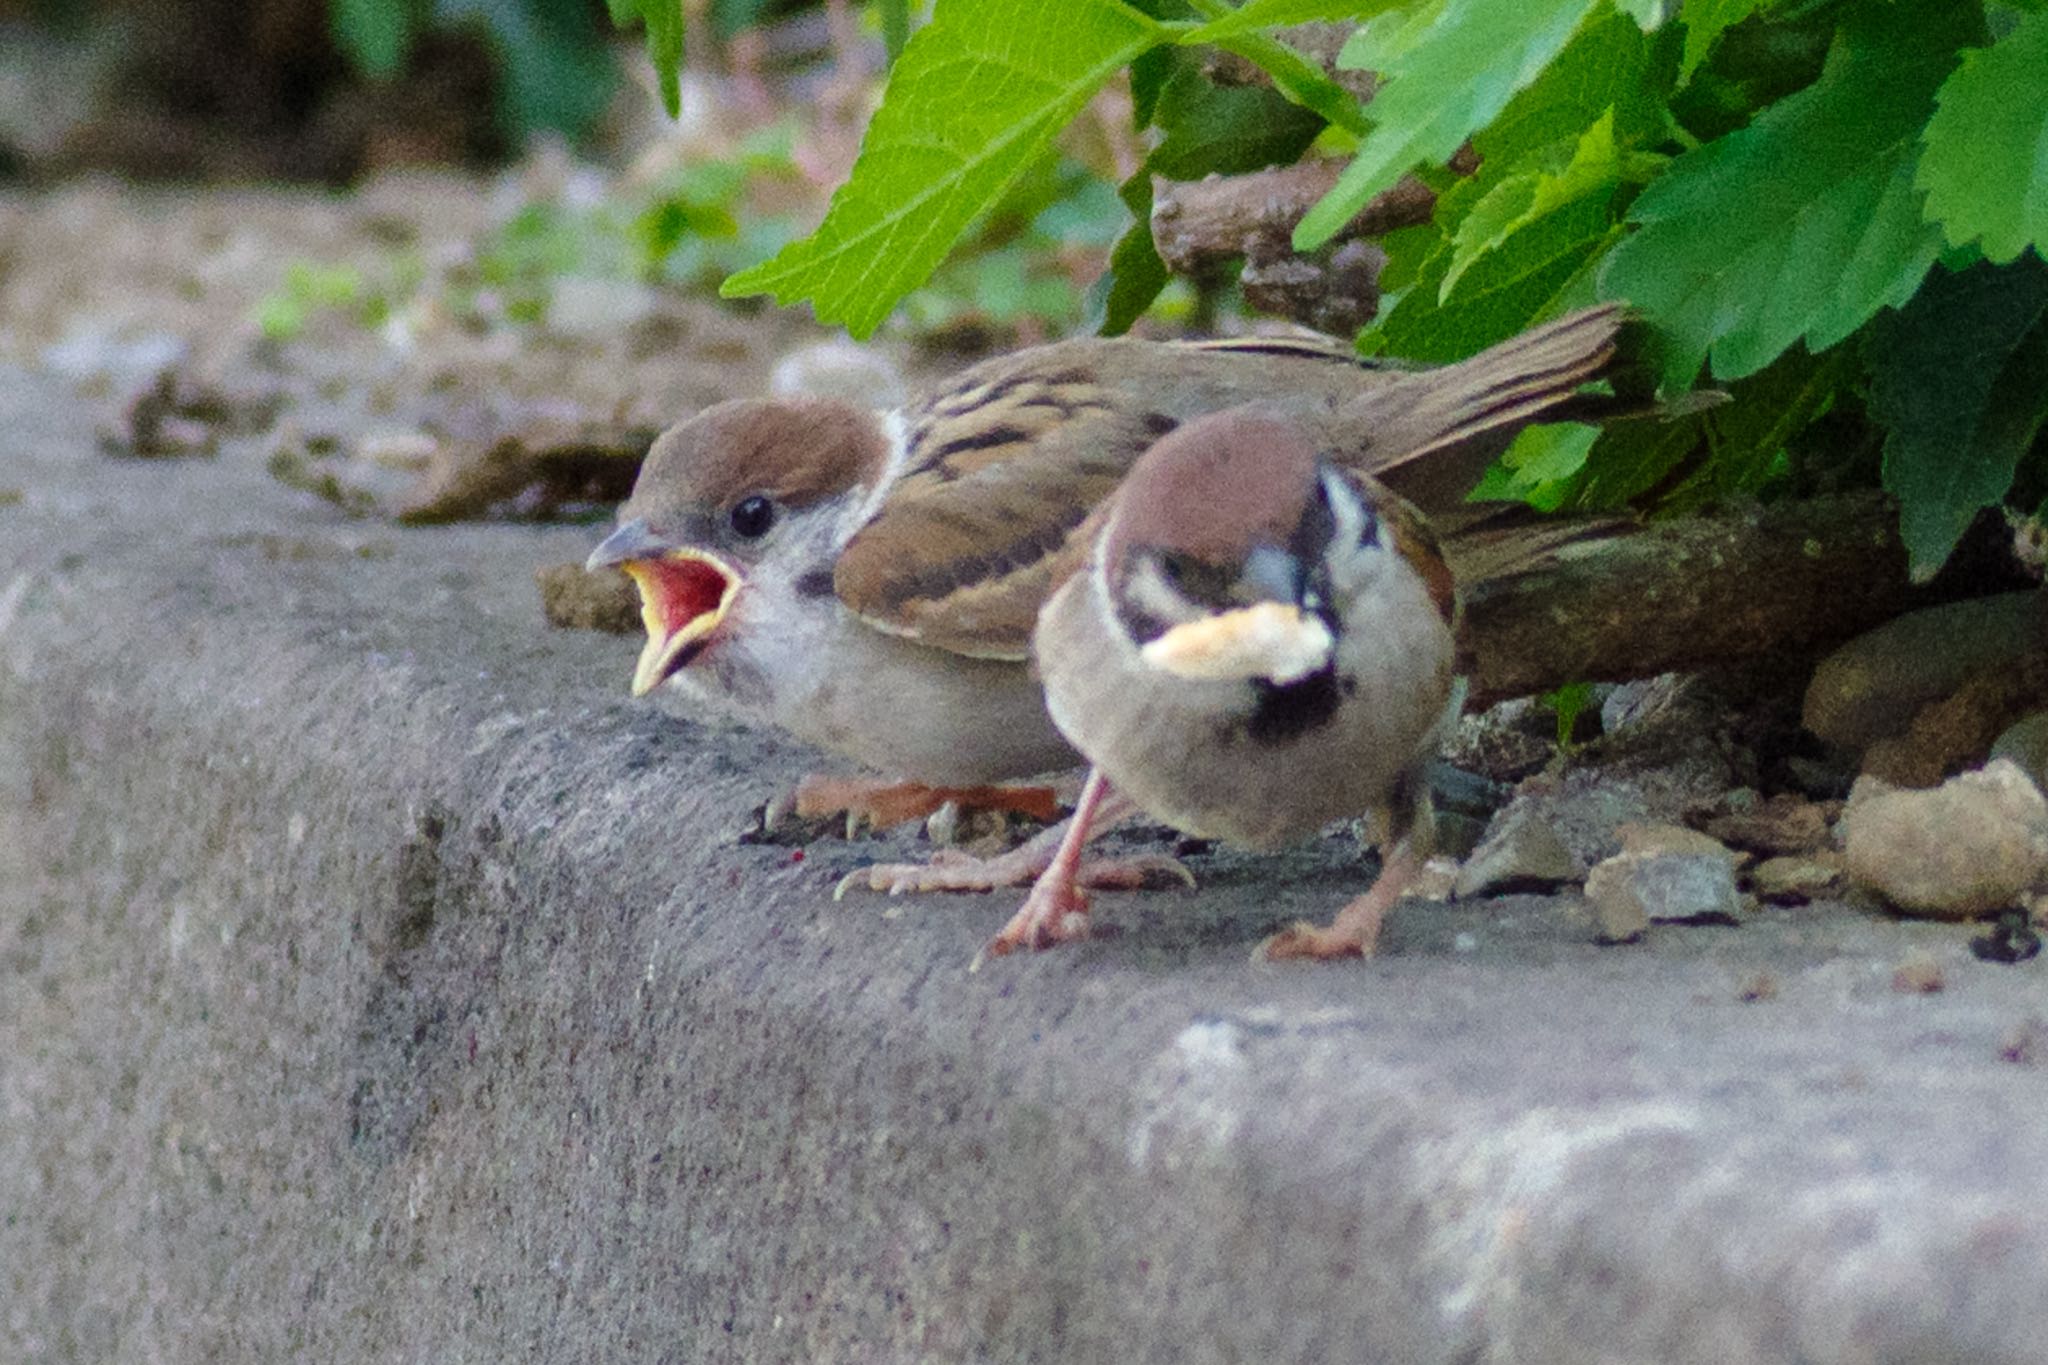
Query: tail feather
x=1430 y=435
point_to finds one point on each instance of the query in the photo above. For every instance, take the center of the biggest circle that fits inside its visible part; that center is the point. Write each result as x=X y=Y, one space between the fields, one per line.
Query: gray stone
x=1519 y=853
x=1672 y=886
x=1872 y=686
x=1977 y=843
x=378 y=983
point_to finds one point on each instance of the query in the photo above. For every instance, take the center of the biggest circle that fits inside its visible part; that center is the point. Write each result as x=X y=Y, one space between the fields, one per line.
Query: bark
x=1200 y=223
x=1782 y=581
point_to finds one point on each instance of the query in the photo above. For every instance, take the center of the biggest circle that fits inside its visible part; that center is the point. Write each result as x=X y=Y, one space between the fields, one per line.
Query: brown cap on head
x=1215 y=488
x=795 y=450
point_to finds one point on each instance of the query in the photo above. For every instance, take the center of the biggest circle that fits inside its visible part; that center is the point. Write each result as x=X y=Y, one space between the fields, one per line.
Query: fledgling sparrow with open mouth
x=1263 y=642
x=868 y=581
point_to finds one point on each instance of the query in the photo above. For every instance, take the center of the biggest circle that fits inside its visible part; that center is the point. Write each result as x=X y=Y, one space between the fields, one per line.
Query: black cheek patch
x=1284 y=712
x=814 y=583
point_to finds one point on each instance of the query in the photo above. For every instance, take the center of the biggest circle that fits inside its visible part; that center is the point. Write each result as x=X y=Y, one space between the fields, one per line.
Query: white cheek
x=896 y=430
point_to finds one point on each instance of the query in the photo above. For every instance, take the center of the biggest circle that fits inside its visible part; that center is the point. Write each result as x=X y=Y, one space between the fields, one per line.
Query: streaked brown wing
x=965 y=552
x=1004 y=466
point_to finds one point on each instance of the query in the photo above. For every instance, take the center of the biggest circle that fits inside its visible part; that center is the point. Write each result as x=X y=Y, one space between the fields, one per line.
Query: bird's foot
x=951 y=870
x=877 y=804
x=1302 y=940
x=1056 y=911
x=1355 y=931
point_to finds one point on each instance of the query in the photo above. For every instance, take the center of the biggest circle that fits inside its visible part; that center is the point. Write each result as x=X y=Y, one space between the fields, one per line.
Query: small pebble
x=1435 y=881
x=1917 y=974
x=409 y=451
x=2026 y=1043
x=942 y=826
x=1757 y=987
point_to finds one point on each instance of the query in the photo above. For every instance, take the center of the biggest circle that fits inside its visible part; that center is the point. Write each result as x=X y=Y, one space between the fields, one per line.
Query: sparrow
x=868 y=581
x=1262 y=642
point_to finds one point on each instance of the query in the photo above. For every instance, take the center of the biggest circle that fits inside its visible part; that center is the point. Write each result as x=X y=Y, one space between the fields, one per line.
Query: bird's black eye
x=752 y=516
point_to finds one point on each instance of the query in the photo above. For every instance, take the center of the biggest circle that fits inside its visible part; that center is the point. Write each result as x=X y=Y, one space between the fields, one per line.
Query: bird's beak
x=684 y=594
x=632 y=540
x=1275 y=575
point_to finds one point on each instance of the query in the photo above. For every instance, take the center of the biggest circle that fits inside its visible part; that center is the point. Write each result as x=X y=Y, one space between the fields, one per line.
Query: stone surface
x=1650 y=885
x=1974 y=845
x=1520 y=853
x=2025 y=743
x=1874 y=685
x=1786 y=823
x=378 y=984
x=1793 y=879
x=1653 y=838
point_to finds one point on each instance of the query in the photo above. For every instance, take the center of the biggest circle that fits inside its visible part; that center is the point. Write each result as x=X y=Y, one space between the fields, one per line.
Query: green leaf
x=556 y=71
x=1629 y=460
x=1747 y=439
x=1149 y=74
x=1541 y=269
x=1607 y=66
x=975 y=100
x=1594 y=169
x=664 y=19
x=1384 y=39
x=664 y=34
x=1296 y=77
x=1985 y=168
x=1705 y=21
x=895 y=26
x=1136 y=274
x=376 y=34
x=1538 y=466
x=1452 y=81
x=1608 y=71
x=1960 y=379
x=1803 y=224
x=1225 y=130
x=1569 y=702
x=1648 y=14
x=1262 y=14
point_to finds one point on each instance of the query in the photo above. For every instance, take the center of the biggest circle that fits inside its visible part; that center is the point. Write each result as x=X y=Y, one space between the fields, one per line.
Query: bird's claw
x=951 y=870
x=1303 y=941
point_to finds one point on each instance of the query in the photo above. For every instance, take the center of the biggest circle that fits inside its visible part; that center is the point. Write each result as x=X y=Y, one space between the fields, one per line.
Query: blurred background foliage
x=1832 y=209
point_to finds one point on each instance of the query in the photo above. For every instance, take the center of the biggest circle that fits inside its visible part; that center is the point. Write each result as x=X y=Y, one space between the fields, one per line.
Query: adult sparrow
x=868 y=581
x=1262 y=642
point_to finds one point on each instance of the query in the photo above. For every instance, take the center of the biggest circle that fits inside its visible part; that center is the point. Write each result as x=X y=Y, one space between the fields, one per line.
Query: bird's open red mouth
x=684 y=594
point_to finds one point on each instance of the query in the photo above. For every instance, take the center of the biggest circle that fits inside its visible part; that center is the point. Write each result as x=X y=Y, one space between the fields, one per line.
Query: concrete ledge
x=375 y=984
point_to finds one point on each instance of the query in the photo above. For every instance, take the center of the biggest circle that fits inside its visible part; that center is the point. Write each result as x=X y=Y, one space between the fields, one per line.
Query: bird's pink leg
x=951 y=870
x=1355 y=932
x=1057 y=907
